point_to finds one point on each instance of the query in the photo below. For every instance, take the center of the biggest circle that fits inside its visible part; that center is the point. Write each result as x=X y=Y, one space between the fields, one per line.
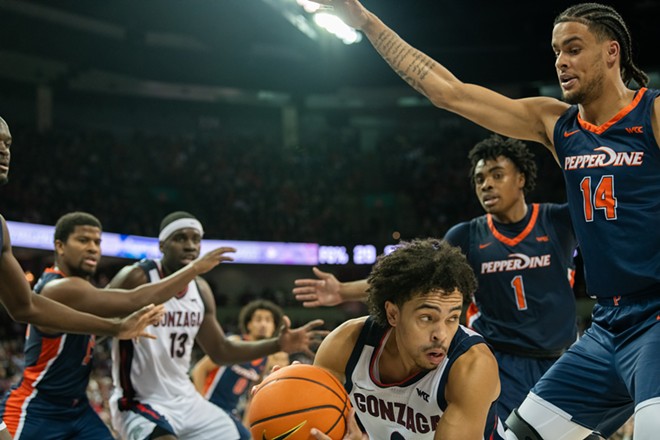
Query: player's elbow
x=444 y=95
x=22 y=312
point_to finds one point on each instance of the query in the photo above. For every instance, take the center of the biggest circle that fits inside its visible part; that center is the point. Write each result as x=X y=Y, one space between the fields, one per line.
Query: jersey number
x=603 y=198
x=519 y=291
x=178 y=344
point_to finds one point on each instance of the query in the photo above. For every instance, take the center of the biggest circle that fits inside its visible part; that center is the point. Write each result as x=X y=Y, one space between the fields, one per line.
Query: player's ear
x=59 y=247
x=613 y=51
x=392 y=312
x=521 y=180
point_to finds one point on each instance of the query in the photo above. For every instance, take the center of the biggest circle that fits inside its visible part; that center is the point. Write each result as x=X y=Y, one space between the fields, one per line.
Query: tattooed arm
x=529 y=118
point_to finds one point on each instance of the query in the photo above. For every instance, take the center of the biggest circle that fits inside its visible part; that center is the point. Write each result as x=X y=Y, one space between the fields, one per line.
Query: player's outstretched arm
x=78 y=293
x=530 y=119
x=25 y=306
x=326 y=290
x=223 y=350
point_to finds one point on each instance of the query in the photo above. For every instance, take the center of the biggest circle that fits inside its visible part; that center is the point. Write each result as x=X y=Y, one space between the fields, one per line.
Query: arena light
x=309 y=6
x=337 y=27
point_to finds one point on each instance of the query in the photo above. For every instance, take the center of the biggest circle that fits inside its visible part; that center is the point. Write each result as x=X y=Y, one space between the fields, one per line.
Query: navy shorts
x=518 y=375
x=613 y=369
x=46 y=420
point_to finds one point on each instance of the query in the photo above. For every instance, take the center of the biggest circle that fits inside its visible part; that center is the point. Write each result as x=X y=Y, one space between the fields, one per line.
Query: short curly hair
x=67 y=224
x=417 y=268
x=247 y=312
x=514 y=150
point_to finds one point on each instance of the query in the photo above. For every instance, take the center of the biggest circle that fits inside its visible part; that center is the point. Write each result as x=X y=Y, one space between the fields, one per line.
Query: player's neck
x=512 y=215
x=615 y=97
x=393 y=365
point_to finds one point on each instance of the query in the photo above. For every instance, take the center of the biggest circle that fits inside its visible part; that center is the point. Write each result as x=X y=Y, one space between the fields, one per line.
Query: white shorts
x=190 y=417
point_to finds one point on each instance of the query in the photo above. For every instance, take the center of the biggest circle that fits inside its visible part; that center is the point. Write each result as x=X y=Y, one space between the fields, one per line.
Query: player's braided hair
x=516 y=151
x=417 y=268
x=246 y=313
x=605 y=22
x=68 y=222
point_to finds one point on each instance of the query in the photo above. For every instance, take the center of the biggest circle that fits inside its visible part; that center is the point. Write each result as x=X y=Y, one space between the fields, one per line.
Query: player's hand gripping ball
x=295 y=399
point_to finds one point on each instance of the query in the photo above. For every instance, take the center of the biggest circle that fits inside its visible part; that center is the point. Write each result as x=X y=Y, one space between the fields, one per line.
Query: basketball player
x=410 y=369
x=154 y=397
x=524 y=305
x=605 y=137
x=225 y=385
x=24 y=306
x=50 y=400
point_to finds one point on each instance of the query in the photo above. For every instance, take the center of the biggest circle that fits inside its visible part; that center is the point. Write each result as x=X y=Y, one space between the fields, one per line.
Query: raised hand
x=211 y=259
x=134 y=324
x=324 y=291
x=350 y=11
x=300 y=340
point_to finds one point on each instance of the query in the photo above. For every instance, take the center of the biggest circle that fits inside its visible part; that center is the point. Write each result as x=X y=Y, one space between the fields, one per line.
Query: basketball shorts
x=46 y=420
x=612 y=371
x=188 y=417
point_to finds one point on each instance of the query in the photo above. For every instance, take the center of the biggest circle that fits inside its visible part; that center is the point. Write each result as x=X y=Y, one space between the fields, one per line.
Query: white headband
x=181 y=223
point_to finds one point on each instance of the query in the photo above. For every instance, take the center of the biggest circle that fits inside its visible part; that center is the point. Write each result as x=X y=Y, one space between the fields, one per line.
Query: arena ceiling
x=235 y=45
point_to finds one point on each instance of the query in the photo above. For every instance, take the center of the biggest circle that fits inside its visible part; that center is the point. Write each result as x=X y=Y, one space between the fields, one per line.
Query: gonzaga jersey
x=612 y=175
x=524 y=303
x=410 y=409
x=157 y=369
x=227 y=383
x=56 y=365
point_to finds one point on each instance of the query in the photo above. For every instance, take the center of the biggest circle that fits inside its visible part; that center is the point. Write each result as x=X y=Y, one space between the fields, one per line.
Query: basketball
x=295 y=399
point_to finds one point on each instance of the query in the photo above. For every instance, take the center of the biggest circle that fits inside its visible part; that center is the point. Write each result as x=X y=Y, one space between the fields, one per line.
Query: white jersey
x=156 y=370
x=410 y=409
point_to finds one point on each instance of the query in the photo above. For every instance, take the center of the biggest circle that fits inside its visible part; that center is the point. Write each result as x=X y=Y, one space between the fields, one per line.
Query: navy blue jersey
x=227 y=383
x=410 y=409
x=58 y=365
x=612 y=175
x=524 y=302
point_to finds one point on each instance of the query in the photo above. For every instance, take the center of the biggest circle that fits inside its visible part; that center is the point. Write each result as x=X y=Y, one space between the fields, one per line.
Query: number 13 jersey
x=157 y=369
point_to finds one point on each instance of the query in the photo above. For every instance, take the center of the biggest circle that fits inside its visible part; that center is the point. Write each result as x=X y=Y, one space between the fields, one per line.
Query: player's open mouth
x=490 y=200
x=567 y=81
x=435 y=357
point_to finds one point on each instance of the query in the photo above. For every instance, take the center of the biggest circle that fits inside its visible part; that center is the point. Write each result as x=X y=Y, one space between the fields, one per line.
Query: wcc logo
x=423 y=394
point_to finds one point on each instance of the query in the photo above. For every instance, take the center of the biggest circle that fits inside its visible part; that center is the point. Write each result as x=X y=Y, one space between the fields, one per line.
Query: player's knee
x=647 y=420
x=519 y=429
x=537 y=419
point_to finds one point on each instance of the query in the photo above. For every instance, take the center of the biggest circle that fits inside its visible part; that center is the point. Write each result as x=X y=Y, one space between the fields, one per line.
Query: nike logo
x=657 y=318
x=542 y=238
x=485 y=245
x=285 y=435
x=570 y=133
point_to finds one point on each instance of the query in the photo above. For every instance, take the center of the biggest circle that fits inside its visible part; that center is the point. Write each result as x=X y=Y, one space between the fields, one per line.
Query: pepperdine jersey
x=227 y=383
x=612 y=175
x=57 y=365
x=524 y=303
x=157 y=369
x=410 y=409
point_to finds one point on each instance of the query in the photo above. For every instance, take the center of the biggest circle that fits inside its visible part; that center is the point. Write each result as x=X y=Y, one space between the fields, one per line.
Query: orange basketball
x=295 y=399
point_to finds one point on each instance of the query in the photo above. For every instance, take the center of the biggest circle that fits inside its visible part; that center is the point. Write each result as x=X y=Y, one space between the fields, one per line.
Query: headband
x=181 y=223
